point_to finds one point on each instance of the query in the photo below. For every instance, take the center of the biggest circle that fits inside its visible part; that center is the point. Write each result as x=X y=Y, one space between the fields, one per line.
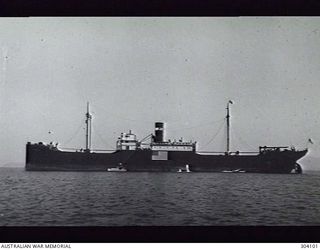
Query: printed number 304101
x=309 y=245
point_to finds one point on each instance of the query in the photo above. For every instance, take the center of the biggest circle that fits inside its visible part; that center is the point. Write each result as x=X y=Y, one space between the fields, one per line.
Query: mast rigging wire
x=139 y=121
x=73 y=135
x=95 y=130
x=242 y=141
x=218 y=131
x=199 y=125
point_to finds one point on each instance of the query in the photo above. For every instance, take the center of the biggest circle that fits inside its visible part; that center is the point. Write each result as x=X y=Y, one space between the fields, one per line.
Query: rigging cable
x=120 y=117
x=218 y=131
x=242 y=141
x=139 y=121
x=74 y=135
x=100 y=136
x=197 y=126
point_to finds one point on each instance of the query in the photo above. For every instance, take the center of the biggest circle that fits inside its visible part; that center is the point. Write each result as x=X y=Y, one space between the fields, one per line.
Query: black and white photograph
x=159 y=121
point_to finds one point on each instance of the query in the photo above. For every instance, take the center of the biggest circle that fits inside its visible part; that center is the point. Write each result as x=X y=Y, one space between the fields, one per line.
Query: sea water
x=157 y=199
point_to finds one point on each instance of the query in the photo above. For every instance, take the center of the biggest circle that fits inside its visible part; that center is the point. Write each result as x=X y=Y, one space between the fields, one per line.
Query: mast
x=88 y=129
x=228 y=126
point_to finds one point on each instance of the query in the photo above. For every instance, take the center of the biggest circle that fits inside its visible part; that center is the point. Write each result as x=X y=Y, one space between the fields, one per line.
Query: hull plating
x=42 y=158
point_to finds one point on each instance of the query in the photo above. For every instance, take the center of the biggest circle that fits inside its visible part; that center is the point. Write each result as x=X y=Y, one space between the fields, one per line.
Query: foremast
x=88 y=129
x=228 y=126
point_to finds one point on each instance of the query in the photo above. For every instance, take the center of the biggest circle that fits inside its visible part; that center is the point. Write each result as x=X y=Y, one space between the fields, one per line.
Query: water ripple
x=125 y=199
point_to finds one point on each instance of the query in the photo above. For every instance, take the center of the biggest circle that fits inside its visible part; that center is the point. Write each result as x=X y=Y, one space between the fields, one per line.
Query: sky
x=137 y=71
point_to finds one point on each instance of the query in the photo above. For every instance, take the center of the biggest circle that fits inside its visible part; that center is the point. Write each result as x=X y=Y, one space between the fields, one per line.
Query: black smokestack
x=159 y=132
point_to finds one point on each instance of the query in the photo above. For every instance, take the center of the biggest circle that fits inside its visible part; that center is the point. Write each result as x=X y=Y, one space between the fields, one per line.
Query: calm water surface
x=124 y=199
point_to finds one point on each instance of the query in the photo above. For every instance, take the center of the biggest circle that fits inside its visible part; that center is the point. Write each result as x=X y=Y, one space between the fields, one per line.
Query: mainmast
x=88 y=129
x=228 y=126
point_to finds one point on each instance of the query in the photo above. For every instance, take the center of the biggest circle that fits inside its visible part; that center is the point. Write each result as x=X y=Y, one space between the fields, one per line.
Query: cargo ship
x=161 y=155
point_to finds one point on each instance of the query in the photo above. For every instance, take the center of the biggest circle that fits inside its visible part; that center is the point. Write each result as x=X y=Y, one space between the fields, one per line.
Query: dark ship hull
x=40 y=157
x=161 y=155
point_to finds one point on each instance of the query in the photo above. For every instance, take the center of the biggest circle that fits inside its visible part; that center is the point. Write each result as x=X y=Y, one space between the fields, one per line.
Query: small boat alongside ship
x=234 y=171
x=161 y=155
x=185 y=170
x=116 y=169
x=119 y=168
